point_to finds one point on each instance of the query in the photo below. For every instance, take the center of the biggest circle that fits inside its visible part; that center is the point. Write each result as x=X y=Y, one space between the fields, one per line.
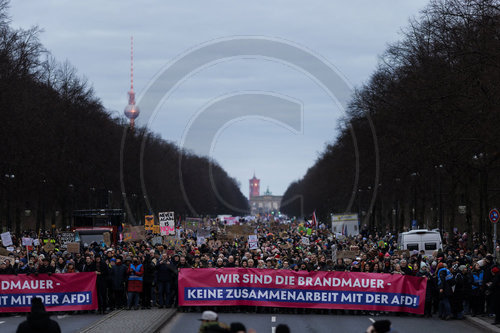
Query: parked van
x=421 y=239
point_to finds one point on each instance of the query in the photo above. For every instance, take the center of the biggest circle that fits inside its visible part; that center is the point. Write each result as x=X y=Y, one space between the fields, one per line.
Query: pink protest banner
x=59 y=292
x=284 y=288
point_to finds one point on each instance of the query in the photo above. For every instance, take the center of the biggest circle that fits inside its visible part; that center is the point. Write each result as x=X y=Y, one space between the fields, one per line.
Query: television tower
x=131 y=110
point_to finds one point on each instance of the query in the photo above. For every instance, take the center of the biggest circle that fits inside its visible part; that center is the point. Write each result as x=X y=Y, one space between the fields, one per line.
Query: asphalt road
x=264 y=323
x=68 y=323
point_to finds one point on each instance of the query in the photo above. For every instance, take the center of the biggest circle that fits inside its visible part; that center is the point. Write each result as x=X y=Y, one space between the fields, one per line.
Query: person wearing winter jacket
x=135 y=272
x=445 y=285
x=477 y=297
x=118 y=279
x=424 y=272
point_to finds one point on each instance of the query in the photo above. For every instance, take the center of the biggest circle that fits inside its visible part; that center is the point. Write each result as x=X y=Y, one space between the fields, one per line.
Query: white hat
x=208 y=315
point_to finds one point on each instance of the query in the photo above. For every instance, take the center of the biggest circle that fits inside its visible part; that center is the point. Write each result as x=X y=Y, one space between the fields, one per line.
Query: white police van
x=421 y=239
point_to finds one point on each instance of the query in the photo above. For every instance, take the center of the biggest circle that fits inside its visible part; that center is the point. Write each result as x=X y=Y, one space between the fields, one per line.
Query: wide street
x=68 y=323
x=265 y=323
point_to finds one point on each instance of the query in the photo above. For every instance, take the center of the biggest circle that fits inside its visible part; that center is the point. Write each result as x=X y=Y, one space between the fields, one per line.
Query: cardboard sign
x=6 y=239
x=149 y=222
x=4 y=252
x=405 y=253
x=107 y=238
x=133 y=234
x=67 y=237
x=6 y=257
x=73 y=247
x=346 y=254
x=49 y=247
x=286 y=246
x=236 y=231
x=167 y=223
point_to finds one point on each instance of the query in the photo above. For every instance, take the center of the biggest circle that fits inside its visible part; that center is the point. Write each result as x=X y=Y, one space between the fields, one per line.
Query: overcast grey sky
x=94 y=36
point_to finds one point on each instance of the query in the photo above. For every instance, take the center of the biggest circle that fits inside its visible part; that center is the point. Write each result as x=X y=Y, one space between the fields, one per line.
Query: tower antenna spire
x=131 y=110
x=131 y=63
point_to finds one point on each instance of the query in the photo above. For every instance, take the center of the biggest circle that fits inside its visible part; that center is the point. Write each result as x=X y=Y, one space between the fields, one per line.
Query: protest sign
x=235 y=231
x=253 y=242
x=167 y=223
x=305 y=241
x=73 y=247
x=59 y=292
x=27 y=241
x=107 y=238
x=203 y=232
x=36 y=242
x=135 y=233
x=200 y=240
x=6 y=239
x=67 y=237
x=286 y=246
x=49 y=247
x=11 y=248
x=156 y=229
x=4 y=251
x=192 y=223
x=283 y=288
x=172 y=242
x=346 y=254
x=149 y=222
x=7 y=257
x=157 y=240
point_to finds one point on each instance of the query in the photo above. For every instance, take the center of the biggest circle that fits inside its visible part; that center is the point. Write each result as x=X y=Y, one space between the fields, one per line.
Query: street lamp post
x=9 y=179
x=91 y=197
x=441 y=215
x=414 y=210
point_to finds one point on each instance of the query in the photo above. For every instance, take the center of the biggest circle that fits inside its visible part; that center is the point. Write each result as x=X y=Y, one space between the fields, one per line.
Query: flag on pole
x=314 y=221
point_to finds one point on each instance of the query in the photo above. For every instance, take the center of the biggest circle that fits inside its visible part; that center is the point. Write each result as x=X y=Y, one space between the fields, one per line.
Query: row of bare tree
x=62 y=150
x=420 y=142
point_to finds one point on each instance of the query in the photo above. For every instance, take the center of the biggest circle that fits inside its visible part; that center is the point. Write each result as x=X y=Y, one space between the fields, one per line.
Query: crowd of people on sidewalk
x=462 y=278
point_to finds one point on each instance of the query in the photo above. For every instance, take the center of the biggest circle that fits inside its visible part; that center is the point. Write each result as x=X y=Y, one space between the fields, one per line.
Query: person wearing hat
x=424 y=272
x=457 y=300
x=38 y=320
x=118 y=274
x=210 y=323
x=380 y=326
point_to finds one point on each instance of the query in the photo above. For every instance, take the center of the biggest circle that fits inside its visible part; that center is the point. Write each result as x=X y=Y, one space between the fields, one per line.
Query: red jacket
x=135 y=274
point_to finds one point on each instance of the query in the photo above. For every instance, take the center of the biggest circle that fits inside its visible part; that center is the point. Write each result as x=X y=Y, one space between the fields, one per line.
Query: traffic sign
x=494 y=215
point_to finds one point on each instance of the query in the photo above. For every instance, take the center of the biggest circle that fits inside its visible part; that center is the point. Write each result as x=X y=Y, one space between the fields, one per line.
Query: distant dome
x=131 y=111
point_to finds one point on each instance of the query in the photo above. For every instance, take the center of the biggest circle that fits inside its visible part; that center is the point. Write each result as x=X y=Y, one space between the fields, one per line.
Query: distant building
x=254 y=187
x=265 y=204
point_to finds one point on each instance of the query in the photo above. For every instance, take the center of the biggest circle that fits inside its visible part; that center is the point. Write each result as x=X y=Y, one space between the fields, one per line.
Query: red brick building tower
x=254 y=187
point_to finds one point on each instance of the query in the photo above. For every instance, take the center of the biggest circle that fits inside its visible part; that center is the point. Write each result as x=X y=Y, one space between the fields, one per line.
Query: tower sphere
x=131 y=111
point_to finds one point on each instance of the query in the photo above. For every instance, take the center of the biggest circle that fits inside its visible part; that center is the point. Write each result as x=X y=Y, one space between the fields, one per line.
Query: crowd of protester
x=462 y=278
